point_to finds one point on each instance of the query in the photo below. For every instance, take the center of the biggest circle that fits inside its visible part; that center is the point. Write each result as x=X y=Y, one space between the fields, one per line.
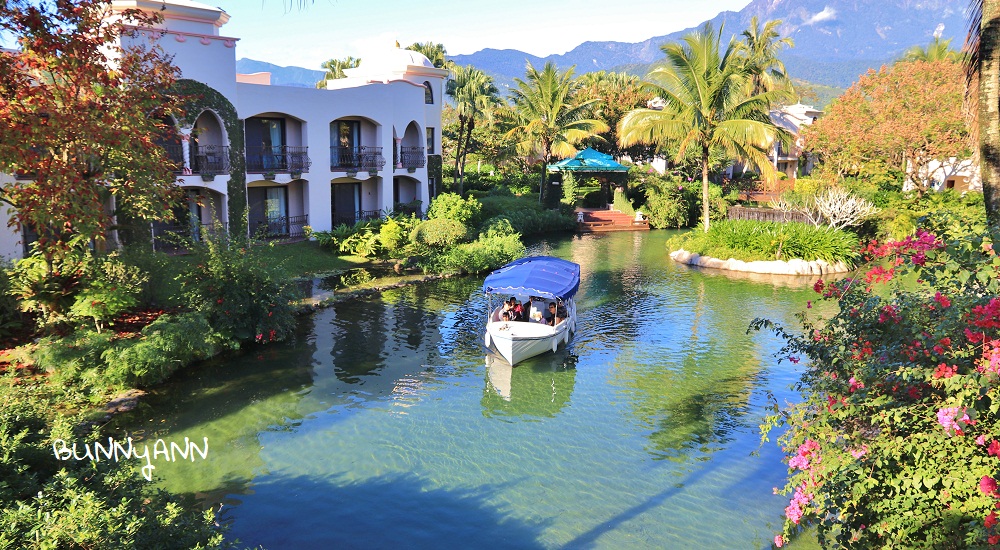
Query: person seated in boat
x=550 y=315
x=560 y=313
x=518 y=312
x=505 y=316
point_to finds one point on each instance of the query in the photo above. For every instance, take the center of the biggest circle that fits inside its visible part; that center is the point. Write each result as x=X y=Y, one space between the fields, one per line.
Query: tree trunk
x=465 y=149
x=705 y=210
x=989 y=115
x=455 y=181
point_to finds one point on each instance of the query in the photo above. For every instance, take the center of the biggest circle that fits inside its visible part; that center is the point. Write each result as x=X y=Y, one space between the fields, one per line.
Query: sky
x=279 y=32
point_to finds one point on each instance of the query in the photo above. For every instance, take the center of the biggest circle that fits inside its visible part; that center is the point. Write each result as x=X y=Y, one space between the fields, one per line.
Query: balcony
x=356 y=159
x=211 y=159
x=412 y=157
x=282 y=158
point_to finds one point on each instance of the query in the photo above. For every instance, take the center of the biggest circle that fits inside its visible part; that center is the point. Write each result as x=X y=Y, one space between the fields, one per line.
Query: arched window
x=428 y=93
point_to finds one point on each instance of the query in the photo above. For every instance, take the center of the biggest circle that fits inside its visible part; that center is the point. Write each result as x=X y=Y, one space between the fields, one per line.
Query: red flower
x=994 y=448
x=944 y=371
x=818 y=287
x=994 y=539
x=990 y=520
x=942 y=299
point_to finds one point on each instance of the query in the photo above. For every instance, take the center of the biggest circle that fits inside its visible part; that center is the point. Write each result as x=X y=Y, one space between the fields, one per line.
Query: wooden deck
x=609 y=220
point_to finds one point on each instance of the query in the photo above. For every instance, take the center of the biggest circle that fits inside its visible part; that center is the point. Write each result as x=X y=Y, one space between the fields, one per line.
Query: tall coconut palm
x=546 y=120
x=335 y=69
x=475 y=96
x=710 y=104
x=761 y=47
x=937 y=50
x=983 y=71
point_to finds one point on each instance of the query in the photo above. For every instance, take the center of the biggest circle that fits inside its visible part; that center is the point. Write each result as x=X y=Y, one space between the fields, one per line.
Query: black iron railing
x=282 y=158
x=280 y=226
x=412 y=157
x=350 y=217
x=211 y=159
x=356 y=159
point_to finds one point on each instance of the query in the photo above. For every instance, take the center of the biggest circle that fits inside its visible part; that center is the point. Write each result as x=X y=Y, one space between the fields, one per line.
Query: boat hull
x=516 y=341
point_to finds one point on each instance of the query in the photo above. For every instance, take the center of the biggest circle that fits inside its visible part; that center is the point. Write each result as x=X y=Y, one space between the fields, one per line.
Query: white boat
x=538 y=281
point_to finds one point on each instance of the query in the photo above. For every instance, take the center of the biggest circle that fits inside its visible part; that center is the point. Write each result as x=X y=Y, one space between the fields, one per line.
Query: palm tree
x=546 y=120
x=761 y=48
x=335 y=69
x=983 y=72
x=475 y=96
x=436 y=53
x=710 y=104
x=937 y=50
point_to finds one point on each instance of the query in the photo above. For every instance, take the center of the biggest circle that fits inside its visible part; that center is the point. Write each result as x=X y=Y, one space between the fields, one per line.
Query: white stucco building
x=289 y=156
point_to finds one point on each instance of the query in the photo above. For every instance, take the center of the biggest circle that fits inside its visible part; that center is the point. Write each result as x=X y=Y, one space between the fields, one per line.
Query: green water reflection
x=380 y=424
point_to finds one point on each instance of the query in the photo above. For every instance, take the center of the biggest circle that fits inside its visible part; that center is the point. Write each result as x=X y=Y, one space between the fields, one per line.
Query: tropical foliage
x=937 y=50
x=546 y=120
x=475 y=97
x=765 y=241
x=335 y=69
x=434 y=52
x=711 y=103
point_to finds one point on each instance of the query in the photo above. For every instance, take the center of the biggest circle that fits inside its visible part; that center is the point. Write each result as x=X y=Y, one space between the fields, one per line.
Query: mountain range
x=835 y=41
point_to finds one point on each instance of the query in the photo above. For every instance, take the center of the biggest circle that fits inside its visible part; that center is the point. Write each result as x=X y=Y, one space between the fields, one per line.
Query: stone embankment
x=776 y=267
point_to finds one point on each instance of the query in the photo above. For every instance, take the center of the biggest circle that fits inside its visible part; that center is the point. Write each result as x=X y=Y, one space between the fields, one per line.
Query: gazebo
x=595 y=164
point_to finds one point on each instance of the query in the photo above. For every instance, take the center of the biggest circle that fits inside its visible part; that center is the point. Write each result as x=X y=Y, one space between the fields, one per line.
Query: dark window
x=428 y=93
x=430 y=141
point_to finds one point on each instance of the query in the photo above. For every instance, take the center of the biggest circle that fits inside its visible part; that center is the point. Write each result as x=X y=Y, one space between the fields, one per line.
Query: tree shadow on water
x=389 y=512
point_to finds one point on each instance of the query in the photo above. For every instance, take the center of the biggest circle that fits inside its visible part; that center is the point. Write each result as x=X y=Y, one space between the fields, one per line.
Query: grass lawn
x=307 y=258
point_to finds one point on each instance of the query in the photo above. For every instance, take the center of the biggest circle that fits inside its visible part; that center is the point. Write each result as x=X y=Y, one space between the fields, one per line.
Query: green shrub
x=454 y=207
x=809 y=186
x=51 y=503
x=477 y=193
x=114 y=287
x=167 y=344
x=622 y=204
x=332 y=239
x=666 y=206
x=364 y=243
x=74 y=360
x=439 y=233
x=160 y=287
x=498 y=226
x=569 y=189
x=241 y=298
x=392 y=235
x=11 y=318
x=527 y=217
x=48 y=286
x=594 y=199
x=484 y=254
x=751 y=240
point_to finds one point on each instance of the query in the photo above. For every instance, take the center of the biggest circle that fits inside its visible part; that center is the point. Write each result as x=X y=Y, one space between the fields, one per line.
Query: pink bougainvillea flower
x=855 y=385
x=942 y=299
x=988 y=485
x=945 y=371
x=779 y=541
x=949 y=417
x=858 y=453
x=981 y=440
x=818 y=286
x=994 y=448
x=991 y=520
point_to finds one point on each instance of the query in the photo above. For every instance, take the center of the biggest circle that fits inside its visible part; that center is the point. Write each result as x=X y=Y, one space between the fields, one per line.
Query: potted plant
x=295 y=174
x=269 y=175
x=207 y=175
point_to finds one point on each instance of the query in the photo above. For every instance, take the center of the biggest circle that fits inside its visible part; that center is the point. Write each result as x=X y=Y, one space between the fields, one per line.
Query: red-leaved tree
x=80 y=120
x=906 y=115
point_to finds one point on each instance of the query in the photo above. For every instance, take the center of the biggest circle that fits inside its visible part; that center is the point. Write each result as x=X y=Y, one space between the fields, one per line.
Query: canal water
x=383 y=423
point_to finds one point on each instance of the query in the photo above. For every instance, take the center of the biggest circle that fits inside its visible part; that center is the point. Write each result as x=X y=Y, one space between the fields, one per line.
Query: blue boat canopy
x=542 y=276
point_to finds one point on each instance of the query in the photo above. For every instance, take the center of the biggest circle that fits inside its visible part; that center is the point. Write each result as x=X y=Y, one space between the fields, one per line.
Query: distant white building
x=793 y=160
x=289 y=156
